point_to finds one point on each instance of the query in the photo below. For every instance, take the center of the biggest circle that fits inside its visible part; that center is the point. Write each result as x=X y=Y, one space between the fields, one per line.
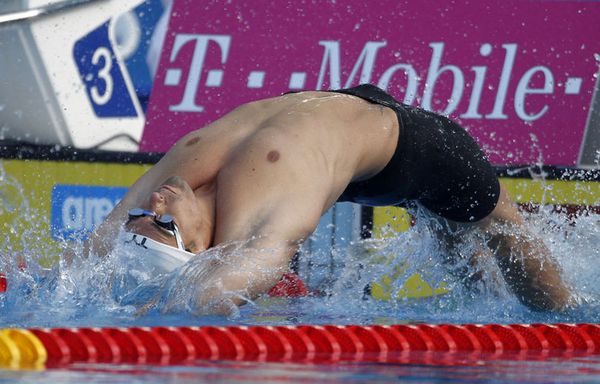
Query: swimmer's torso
x=320 y=138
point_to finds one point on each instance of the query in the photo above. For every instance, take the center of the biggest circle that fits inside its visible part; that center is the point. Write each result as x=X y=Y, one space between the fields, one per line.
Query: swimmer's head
x=173 y=199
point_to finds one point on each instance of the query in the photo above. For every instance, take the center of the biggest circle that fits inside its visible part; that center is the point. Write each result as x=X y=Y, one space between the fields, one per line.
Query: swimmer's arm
x=194 y=157
x=242 y=274
x=99 y=242
x=101 y=239
x=267 y=206
x=524 y=260
x=530 y=272
x=257 y=242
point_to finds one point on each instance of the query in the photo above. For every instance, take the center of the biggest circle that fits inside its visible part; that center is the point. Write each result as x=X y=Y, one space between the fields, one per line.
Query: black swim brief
x=436 y=163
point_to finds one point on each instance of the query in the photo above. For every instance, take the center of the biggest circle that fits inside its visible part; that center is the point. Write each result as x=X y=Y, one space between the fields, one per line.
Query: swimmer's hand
x=221 y=305
x=145 y=308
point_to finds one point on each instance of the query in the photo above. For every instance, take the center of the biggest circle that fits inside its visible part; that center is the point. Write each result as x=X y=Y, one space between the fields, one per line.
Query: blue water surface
x=104 y=292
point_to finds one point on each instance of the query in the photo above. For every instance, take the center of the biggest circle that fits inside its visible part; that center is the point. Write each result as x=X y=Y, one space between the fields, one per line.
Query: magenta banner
x=519 y=75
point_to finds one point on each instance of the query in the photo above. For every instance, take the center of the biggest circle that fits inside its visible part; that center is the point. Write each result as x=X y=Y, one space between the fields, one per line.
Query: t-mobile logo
x=490 y=85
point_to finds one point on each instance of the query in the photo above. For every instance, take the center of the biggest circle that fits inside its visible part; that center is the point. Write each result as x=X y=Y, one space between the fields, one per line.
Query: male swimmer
x=265 y=173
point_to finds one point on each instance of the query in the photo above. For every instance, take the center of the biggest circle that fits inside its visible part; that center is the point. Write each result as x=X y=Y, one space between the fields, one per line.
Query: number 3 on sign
x=99 y=97
x=107 y=85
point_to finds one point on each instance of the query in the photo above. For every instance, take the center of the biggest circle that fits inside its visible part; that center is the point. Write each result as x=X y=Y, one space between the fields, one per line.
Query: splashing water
x=478 y=292
x=113 y=290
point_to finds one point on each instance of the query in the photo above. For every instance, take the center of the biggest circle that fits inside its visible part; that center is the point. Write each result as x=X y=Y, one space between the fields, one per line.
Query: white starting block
x=62 y=80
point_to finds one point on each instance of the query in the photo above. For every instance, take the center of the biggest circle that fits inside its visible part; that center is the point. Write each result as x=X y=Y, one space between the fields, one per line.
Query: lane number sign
x=102 y=76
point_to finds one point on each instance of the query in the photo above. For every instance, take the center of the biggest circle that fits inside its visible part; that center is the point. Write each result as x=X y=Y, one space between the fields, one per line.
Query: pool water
x=461 y=368
x=108 y=292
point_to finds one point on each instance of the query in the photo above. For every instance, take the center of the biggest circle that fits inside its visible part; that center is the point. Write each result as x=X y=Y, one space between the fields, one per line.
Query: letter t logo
x=173 y=75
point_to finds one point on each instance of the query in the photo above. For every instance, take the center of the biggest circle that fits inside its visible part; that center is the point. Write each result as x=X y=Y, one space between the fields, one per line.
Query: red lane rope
x=312 y=343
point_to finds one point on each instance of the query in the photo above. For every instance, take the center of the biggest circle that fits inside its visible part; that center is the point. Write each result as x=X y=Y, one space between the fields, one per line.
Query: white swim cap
x=161 y=256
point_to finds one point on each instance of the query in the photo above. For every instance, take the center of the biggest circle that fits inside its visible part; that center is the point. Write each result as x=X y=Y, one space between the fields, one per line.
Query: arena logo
x=362 y=71
x=77 y=209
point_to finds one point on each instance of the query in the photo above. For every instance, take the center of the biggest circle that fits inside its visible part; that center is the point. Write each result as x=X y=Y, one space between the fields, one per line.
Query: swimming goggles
x=165 y=222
